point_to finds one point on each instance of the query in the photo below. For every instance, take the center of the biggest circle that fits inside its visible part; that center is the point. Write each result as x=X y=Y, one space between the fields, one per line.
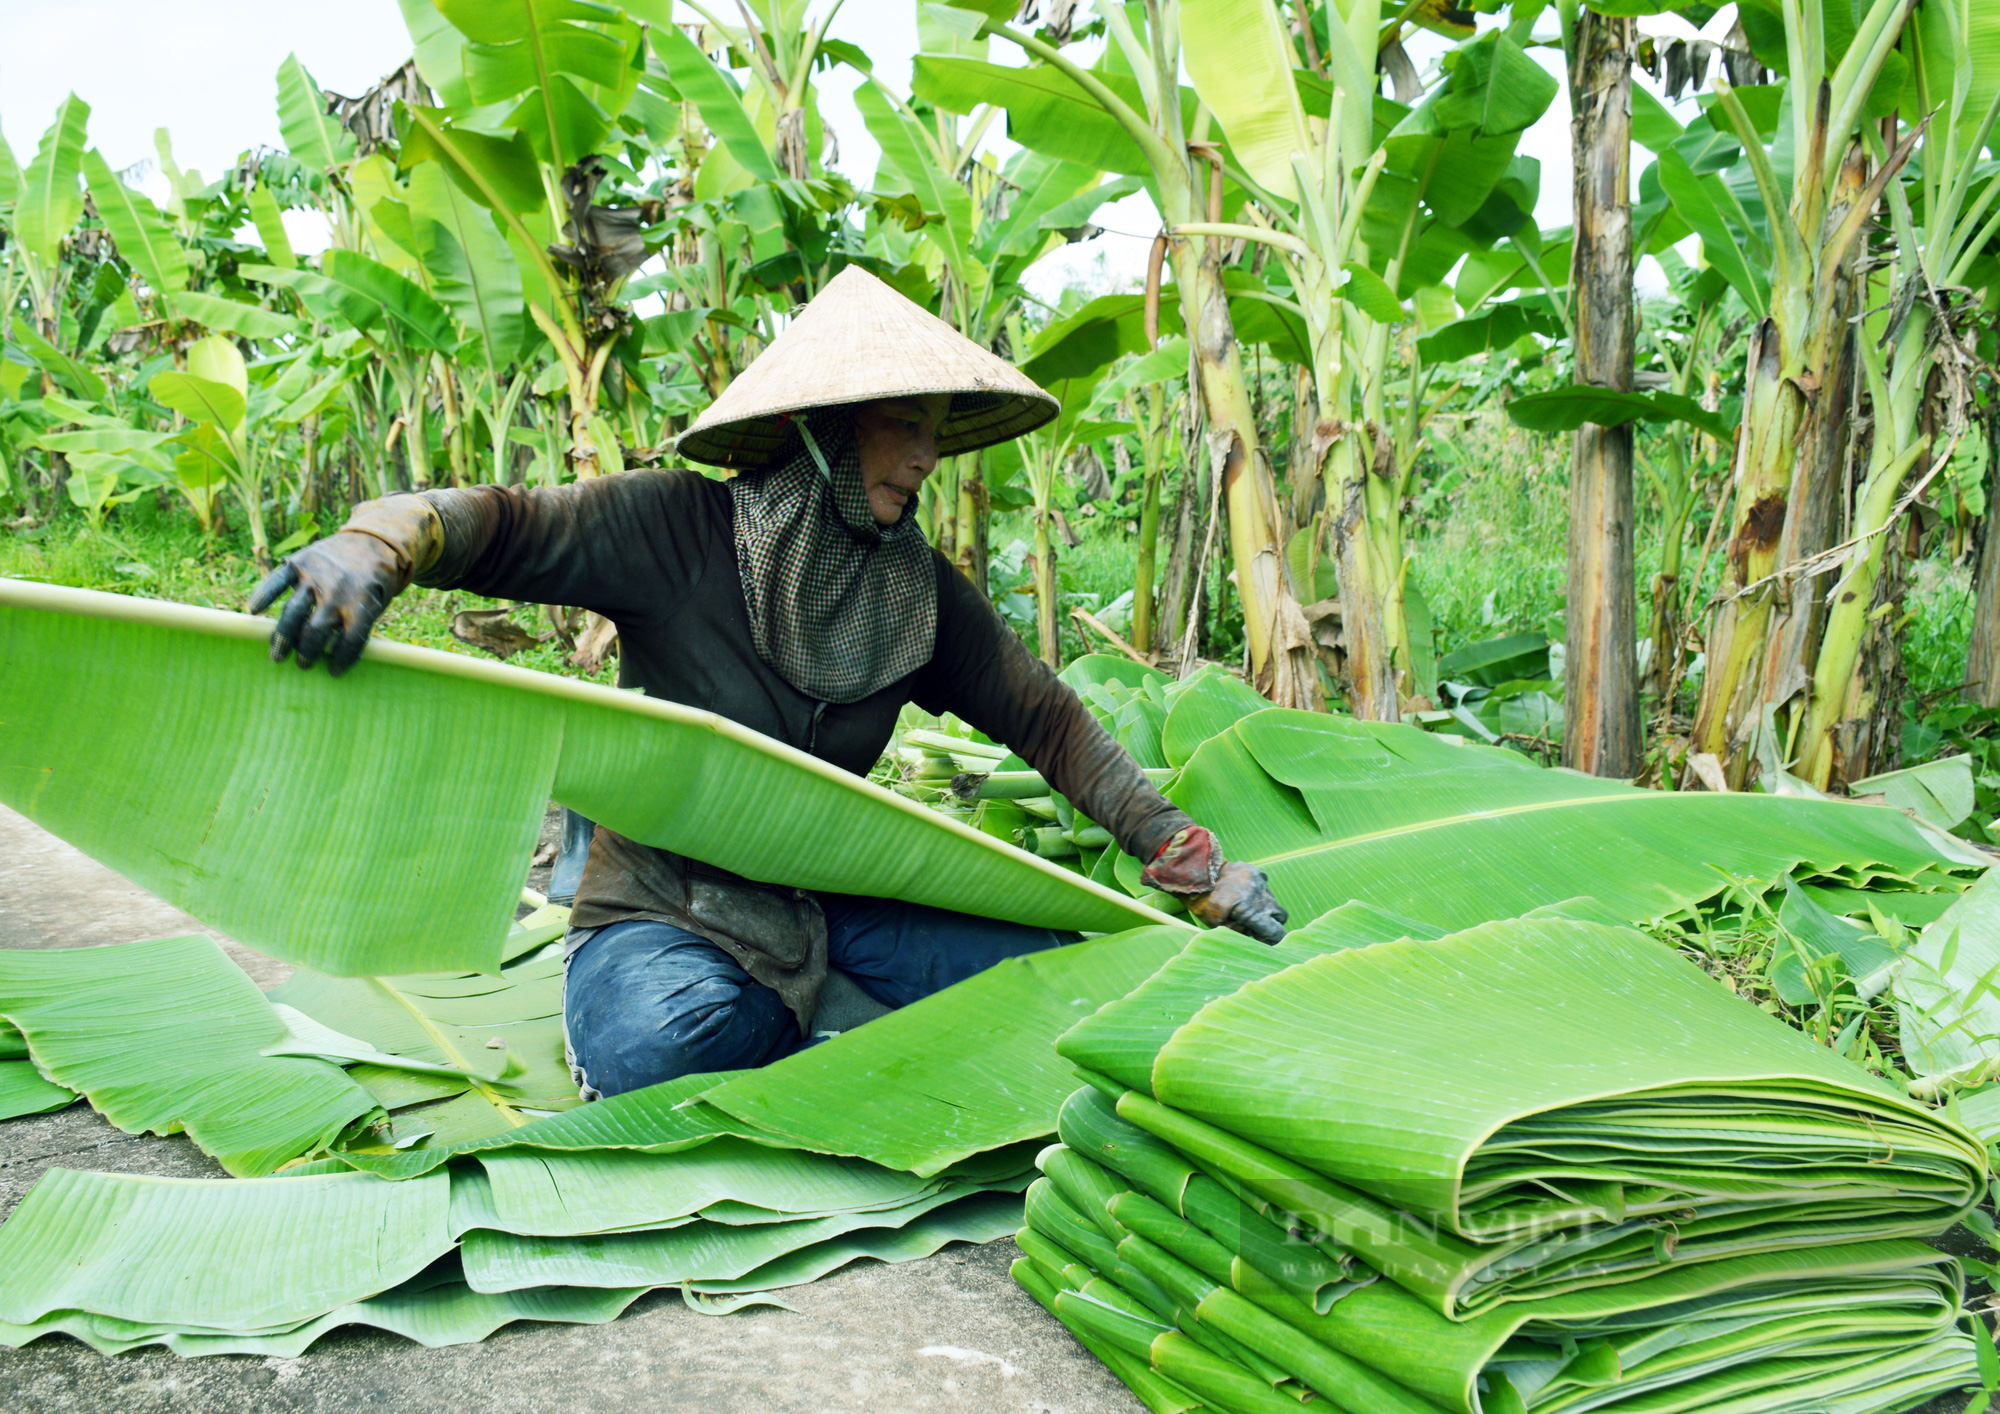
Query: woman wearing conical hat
x=800 y=599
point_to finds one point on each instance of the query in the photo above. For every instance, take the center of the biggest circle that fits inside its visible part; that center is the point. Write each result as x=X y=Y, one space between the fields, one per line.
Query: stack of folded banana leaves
x=1539 y=1165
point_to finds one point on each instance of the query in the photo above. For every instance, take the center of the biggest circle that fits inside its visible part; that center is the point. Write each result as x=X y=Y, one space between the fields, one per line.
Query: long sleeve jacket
x=654 y=552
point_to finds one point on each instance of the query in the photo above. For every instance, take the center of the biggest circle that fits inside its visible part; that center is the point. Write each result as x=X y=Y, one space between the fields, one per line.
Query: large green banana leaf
x=225 y=1255
x=1335 y=809
x=966 y=1070
x=381 y=824
x=647 y=1120
x=696 y=1251
x=1624 y=1084
x=166 y=1036
x=1121 y=1038
x=432 y=1309
x=985 y=1217
x=551 y=1194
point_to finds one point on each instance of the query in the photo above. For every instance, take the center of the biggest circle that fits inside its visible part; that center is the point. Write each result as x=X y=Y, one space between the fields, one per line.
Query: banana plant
x=530 y=90
x=1361 y=219
x=1131 y=115
x=1920 y=388
x=1794 y=270
x=111 y=462
x=1146 y=386
x=984 y=227
x=47 y=204
x=780 y=47
x=213 y=393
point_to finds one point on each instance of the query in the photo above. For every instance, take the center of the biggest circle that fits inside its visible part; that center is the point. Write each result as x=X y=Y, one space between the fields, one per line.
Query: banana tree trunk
x=1047 y=627
x=1367 y=548
x=1171 y=602
x=1155 y=452
x=1601 y=734
x=1813 y=511
x=1766 y=450
x=1982 y=654
x=1279 y=641
x=1764 y=645
x=972 y=512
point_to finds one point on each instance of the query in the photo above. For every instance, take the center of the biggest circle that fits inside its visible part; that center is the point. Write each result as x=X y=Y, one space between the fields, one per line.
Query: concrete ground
x=949 y=1333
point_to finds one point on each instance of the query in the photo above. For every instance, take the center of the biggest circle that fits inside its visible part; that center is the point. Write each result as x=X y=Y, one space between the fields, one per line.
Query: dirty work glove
x=341 y=585
x=1219 y=893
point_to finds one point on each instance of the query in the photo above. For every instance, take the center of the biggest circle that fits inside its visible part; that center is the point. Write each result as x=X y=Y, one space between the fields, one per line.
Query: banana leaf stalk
x=1018 y=785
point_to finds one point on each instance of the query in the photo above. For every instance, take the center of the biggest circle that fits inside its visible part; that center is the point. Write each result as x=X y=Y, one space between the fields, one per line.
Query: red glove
x=1220 y=894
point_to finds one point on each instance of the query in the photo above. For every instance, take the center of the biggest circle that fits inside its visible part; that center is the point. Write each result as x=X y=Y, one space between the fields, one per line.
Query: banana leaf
x=1121 y=1038
x=433 y=1308
x=982 y=1051
x=984 y=1217
x=647 y=1120
x=165 y=1036
x=1947 y=1008
x=492 y=1047
x=552 y=1194
x=327 y=830
x=1583 y=1094
x=696 y=1251
x=221 y=1255
x=23 y=1091
x=1335 y=809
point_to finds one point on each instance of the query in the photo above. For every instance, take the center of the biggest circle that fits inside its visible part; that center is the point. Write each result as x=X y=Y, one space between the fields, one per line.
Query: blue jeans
x=645 y=1002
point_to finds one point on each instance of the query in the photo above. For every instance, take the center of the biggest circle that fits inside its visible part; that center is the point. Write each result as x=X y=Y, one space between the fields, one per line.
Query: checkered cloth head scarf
x=840 y=607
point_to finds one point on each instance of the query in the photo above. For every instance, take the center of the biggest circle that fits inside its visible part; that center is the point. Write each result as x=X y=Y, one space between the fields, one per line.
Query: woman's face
x=897 y=441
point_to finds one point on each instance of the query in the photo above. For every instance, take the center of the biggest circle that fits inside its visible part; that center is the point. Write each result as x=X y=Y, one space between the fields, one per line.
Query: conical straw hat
x=860 y=340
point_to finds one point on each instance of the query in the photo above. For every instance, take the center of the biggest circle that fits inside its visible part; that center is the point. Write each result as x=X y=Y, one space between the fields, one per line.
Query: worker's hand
x=1241 y=899
x=1220 y=894
x=340 y=586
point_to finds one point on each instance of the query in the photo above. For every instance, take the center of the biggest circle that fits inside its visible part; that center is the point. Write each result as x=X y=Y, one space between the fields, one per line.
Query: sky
x=206 y=70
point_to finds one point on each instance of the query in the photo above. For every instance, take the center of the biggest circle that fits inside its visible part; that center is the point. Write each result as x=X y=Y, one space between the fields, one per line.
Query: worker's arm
x=982 y=673
x=617 y=545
